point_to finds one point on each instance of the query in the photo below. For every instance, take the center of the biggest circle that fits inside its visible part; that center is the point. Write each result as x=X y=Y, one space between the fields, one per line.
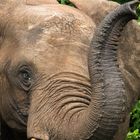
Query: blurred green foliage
x=134 y=132
x=138 y=11
x=135 y=117
x=135 y=135
x=66 y=2
x=121 y=1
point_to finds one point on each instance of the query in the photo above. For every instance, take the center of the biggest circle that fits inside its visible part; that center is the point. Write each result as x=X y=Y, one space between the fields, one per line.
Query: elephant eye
x=25 y=78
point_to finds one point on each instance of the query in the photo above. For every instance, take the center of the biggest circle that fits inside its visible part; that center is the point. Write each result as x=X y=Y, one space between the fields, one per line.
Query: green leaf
x=138 y=11
x=66 y=2
x=135 y=135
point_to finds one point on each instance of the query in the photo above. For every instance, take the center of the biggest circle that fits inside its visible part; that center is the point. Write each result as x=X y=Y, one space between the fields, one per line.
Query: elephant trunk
x=108 y=105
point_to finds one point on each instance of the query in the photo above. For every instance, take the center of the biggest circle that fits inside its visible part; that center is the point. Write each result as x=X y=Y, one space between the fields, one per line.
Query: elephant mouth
x=34 y=139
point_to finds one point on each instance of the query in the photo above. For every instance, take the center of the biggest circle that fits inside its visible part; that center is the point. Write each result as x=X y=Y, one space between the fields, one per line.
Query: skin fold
x=48 y=80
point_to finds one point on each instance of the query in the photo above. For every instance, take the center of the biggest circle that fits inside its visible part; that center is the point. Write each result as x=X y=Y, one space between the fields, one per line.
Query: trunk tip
x=133 y=7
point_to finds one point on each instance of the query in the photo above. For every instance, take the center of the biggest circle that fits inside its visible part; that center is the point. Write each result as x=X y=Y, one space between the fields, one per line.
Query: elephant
x=61 y=76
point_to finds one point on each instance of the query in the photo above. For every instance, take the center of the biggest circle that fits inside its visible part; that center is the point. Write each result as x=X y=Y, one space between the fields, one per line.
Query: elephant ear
x=96 y=9
x=129 y=60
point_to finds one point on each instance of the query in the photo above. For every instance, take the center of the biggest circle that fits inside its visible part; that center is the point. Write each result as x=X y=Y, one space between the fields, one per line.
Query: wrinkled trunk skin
x=94 y=115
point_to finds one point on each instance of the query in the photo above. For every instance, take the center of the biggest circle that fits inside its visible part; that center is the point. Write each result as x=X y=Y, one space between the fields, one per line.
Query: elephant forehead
x=54 y=21
x=31 y=25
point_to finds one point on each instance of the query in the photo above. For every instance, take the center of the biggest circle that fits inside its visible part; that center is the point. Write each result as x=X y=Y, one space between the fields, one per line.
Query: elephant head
x=52 y=84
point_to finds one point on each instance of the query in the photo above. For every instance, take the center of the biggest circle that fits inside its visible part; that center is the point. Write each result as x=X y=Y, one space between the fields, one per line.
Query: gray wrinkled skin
x=46 y=87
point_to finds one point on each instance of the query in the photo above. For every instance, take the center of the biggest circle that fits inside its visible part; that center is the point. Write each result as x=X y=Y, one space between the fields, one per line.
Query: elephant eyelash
x=25 y=78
